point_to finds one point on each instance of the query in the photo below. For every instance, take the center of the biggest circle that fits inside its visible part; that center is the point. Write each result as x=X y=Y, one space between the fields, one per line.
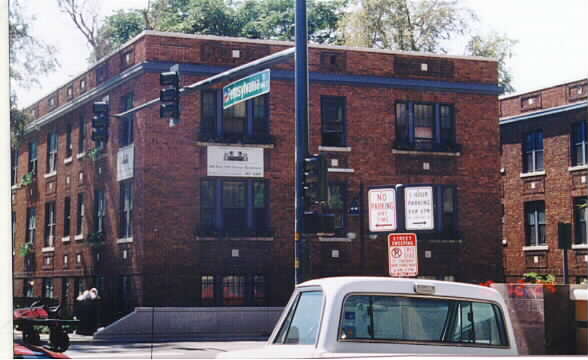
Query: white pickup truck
x=366 y=316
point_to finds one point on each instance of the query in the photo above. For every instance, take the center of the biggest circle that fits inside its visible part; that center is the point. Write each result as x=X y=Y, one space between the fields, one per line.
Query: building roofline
x=543 y=112
x=317 y=46
x=519 y=94
x=251 y=41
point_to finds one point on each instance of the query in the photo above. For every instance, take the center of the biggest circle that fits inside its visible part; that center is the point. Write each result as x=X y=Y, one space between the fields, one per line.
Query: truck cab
x=359 y=316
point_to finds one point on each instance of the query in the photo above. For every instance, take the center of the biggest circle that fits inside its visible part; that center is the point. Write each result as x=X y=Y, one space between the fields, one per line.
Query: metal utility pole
x=301 y=248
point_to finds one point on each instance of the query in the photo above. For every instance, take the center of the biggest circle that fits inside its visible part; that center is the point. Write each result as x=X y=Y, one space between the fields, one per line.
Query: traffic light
x=170 y=96
x=100 y=122
x=315 y=179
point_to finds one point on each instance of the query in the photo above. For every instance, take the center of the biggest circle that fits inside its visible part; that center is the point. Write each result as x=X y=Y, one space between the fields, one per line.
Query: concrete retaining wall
x=192 y=323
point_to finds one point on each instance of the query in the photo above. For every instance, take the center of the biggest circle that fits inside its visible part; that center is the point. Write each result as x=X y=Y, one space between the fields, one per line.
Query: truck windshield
x=414 y=319
x=303 y=320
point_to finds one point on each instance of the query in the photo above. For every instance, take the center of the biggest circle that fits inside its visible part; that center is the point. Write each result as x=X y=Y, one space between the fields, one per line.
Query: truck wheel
x=59 y=340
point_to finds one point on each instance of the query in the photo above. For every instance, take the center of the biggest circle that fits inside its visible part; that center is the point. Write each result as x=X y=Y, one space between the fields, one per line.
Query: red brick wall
x=556 y=188
x=167 y=257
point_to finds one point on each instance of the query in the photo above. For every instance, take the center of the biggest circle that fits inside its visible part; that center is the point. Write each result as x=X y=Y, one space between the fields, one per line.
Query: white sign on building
x=234 y=161
x=382 y=210
x=418 y=208
x=125 y=163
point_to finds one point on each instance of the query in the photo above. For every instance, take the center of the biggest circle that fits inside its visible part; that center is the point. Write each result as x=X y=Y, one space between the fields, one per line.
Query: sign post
x=403 y=260
x=382 y=210
x=246 y=88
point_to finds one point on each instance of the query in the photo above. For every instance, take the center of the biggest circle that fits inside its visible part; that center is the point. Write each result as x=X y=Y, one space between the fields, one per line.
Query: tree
x=422 y=25
x=256 y=19
x=495 y=46
x=274 y=19
x=410 y=25
x=120 y=27
x=29 y=59
x=84 y=14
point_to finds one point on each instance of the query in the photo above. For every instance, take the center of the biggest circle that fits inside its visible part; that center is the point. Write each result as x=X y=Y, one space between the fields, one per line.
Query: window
x=579 y=147
x=65 y=290
x=259 y=290
x=79 y=286
x=66 y=216
x=14 y=167
x=448 y=209
x=234 y=290
x=207 y=290
x=69 y=92
x=423 y=126
x=126 y=123
x=82 y=136
x=101 y=73
x=68 y=143
x=336 y=203
x=100 y=211
x=31 y=225
x=127 y=58
x=535 y=223
x=234 y=207
x=13 y=232
x=50 y=223
x=126 y=209
x=580 y=219
x=52 y=102
x=81 y=215
x=52 y=153
x=303 y=320
x=48 y=288
x=83 y=84
x=28 y=289
x=33 y=158
x=244 y=122
x=533 y=152
x=333 y=120
x=428 y=320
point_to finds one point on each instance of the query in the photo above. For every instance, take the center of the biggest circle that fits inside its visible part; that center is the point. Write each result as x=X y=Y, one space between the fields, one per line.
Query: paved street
x=83 y=347
x=162 y=350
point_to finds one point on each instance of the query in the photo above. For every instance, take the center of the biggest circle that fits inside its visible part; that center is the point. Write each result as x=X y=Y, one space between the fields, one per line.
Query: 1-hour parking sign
x=403 y=259
x=382 y=209
x=418 y=208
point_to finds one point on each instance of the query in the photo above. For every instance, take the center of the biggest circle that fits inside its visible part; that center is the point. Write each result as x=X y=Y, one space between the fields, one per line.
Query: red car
x=28 y=351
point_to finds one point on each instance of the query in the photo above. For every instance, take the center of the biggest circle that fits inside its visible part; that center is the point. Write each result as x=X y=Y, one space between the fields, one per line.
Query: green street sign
x=246 y=88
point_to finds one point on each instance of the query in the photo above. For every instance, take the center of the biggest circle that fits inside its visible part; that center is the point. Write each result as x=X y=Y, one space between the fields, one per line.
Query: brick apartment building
x=544 y=171
x=153 y=220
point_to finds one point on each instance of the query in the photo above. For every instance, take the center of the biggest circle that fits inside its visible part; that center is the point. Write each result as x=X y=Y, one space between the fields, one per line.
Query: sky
x=552 y=46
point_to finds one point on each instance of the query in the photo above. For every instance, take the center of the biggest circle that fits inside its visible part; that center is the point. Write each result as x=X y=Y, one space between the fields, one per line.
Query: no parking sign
x=403 y=260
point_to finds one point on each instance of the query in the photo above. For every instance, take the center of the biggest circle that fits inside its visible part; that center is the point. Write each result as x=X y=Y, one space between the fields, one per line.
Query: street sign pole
x=301 y=249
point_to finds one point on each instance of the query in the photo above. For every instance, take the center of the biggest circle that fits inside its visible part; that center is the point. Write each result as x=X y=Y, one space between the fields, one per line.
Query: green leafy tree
x=256 y=19
x=423 y=25
x=122 y=26
x=495 y=46
x=420 y=25
x=275 y=19
x=29 y=59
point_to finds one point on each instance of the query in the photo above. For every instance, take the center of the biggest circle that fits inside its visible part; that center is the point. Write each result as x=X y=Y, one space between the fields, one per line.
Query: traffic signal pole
x=301 y=248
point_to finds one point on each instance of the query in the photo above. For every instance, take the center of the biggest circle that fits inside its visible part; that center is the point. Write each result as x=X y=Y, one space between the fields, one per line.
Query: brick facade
x=559 y=185
x=170 y=251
